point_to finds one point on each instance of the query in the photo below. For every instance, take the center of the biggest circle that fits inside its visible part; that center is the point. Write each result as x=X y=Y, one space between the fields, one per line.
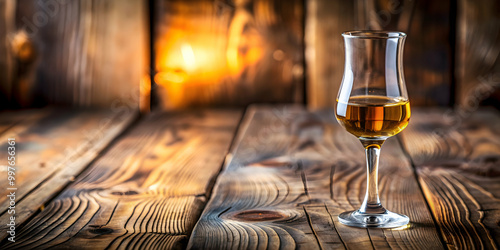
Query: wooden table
x=275 y=178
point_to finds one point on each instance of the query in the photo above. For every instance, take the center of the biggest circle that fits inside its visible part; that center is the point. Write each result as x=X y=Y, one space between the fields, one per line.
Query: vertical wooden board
x=428 y=52
x=3 y=52
x=52 y=146
x=290 y=173
x=125 y=52
x=88 y=53
x=428 y=48
x=146 y=192
x=211 y=52
x=4 y=60
x=427 y=55
x=478 y=53
x=7 y=11
x=325 y=22
x=457 y=162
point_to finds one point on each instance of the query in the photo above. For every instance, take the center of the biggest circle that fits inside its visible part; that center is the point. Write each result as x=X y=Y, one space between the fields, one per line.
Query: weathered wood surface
x=458 y=164
x=85 y=53
x=290 y=173
x=146 y=192
x=228 y=52
x=52 y=146
x=478 y=53
x=427 y=55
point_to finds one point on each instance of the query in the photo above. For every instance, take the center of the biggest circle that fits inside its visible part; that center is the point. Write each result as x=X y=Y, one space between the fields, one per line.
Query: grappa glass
x=373 y=105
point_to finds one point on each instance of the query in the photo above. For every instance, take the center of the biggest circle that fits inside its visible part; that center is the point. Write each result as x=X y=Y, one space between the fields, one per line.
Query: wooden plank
x=478 y=53
x=325 y=22
x=234 y=53
x=7 y=11
x=291 y=173
x=457 y=162
x=146 y=192
x=428 y=52
x=53 y=146
x=427 y=58
x=79 y=61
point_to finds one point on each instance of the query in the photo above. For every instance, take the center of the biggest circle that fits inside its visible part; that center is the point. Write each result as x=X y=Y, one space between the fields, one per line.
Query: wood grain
x=228 y=53
x=145 y=193
x=79 y=60
x=457 y=161
x=53 y=146
x=288 y=176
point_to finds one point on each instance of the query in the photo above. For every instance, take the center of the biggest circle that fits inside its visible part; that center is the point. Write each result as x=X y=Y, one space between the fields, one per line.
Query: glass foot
x=384 y=220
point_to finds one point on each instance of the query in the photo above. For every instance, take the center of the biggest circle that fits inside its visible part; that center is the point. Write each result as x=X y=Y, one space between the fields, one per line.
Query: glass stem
x=371 y=204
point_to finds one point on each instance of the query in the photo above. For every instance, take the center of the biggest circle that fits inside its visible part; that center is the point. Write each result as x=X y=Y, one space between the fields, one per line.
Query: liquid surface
x=373 y=116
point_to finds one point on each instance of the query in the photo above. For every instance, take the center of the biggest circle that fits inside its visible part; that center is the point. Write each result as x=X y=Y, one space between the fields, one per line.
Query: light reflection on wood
x=213 y=53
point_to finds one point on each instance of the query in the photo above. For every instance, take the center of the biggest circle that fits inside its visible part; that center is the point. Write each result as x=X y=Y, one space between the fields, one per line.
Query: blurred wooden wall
x=232 y=53
x=78 y=53
x=221 y=52
x=427 y=56
x=478 y=54
x=7 y=26
x=325 y=22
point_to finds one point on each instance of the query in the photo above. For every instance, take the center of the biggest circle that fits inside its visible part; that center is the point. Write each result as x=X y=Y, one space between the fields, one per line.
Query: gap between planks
x=146 y=191
x=45 y=150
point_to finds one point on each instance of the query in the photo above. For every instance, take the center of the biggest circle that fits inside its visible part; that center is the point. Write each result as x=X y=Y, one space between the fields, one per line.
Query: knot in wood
x=101 y=230
x=258 y=215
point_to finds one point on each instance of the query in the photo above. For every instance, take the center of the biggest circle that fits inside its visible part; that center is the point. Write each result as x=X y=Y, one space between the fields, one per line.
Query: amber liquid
x=373 y=117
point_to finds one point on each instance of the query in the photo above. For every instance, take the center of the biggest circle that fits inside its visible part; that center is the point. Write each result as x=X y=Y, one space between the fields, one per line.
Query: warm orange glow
x=188 y=56
x=201 y=54
x=172 y=81
x=234 y=41
x=175 y=76
x=145 y=84
x=23 y=47
x=145 y=93
x=190 y=63
x=245 y=46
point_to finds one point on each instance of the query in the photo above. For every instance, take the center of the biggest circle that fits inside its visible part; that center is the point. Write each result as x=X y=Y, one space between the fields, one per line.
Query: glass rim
x=373 y=34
